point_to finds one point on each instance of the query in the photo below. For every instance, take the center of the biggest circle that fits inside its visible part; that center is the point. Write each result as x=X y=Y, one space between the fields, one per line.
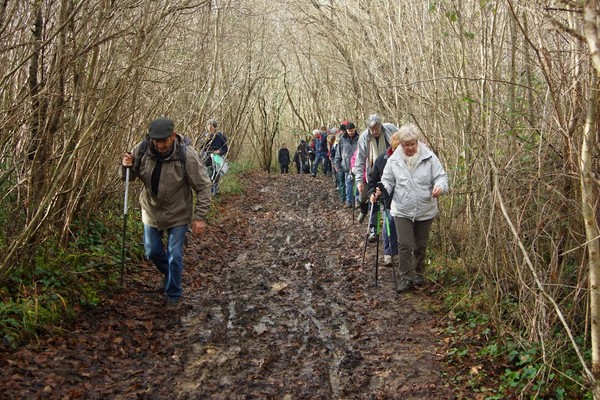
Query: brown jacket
x=172 y=206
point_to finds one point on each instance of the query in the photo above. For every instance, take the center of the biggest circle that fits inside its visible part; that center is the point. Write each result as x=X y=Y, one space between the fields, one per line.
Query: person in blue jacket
x=321 y=150
x=348 y=141
x=390 y=242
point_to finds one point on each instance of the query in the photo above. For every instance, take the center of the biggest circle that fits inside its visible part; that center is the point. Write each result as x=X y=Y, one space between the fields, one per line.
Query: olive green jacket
x=173 y=205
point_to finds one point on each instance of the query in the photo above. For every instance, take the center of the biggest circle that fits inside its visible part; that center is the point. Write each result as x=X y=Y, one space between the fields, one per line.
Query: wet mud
x=277 y=305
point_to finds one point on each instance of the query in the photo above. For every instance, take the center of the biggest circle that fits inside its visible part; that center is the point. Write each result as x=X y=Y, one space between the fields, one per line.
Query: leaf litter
x=277 y=304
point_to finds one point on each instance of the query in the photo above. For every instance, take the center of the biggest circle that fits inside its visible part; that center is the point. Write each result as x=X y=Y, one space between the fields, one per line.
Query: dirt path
x=276 y=305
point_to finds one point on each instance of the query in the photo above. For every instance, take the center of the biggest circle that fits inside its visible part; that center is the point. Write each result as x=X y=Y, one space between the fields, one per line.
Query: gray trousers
x=412 y=245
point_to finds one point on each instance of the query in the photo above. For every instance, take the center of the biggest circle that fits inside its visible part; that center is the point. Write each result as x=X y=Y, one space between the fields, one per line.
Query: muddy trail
x=276 y=306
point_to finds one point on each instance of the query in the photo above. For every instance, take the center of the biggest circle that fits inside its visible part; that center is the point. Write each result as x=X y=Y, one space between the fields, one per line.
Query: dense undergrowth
x=492 y=358
x=45 y=296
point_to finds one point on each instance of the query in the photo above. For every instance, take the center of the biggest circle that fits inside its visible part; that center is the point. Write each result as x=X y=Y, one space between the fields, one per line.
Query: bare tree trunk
x=592 y=233
x=36 y=154
x=588 y=199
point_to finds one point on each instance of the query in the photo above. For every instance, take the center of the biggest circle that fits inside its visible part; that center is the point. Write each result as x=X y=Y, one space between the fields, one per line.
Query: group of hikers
x=309 y=156
x=391 y=175
x=383 y=170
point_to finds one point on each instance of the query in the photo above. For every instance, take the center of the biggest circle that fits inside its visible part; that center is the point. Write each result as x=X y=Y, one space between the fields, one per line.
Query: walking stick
x=377 y=232
x=367 y=235
x=388 y=230
x=353 y=195
x=124 y=222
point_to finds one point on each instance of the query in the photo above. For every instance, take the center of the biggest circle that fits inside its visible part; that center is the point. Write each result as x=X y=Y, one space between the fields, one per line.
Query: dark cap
x=160 y=128
x=342 y=127
x=350 y=125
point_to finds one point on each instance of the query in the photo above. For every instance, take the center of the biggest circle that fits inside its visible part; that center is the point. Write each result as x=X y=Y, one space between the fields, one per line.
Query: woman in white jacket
x=415 y=178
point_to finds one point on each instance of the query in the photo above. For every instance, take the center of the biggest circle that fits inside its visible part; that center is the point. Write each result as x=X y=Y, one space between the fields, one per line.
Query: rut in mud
x=276 y=305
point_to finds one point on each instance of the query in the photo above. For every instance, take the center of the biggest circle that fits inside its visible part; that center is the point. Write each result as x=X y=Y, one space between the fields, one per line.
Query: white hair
x=408 y=133
x=373 y=120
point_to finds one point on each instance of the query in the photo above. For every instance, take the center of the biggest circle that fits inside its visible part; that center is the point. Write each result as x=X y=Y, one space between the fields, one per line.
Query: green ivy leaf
x=452 y=16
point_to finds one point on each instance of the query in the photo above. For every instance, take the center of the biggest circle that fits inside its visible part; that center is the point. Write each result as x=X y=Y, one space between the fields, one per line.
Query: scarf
x=411 y=161
x=155 y=178
x=378 y=147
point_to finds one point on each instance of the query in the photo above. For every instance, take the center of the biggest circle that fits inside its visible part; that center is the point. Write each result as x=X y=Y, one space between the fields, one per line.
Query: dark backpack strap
x=140 y=154
x=183 y=154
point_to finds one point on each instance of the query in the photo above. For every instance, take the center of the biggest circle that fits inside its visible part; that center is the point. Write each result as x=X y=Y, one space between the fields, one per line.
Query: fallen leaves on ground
x=277 y=304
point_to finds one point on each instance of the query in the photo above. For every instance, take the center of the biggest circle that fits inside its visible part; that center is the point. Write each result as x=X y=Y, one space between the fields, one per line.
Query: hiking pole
x=388 y=230
x=124 y=221
x=353 y=194
x=367 y=235
x=377 y=232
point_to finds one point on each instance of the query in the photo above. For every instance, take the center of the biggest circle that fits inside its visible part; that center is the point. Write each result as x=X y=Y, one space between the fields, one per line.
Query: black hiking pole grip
x=125 y=222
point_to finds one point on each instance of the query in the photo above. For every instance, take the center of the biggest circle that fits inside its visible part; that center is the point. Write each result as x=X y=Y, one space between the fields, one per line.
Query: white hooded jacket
x=411 y=192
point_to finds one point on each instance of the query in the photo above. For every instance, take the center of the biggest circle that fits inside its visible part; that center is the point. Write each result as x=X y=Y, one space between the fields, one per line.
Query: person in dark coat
x=210 y=142
x=390 y=242
x=284 y=159
x=346 y=148
x=301 y=157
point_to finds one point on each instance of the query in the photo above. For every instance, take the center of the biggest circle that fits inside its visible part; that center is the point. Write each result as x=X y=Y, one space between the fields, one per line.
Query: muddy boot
x=419 y=280
x=172 y=304
x=162 y=283
x=404 y=286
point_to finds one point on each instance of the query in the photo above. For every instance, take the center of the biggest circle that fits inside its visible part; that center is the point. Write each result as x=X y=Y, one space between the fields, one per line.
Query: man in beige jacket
x=169 y=170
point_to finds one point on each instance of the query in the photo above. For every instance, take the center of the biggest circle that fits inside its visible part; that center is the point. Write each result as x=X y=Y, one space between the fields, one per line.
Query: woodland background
x=503 y=90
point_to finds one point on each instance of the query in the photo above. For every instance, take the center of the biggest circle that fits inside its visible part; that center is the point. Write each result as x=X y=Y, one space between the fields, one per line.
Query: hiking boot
x=348 y=205
x=361 y=217
x=419 y=280
x=172 y=304
x=404 y=286
x=387 y=260
x=162 y=284
x=372 y=237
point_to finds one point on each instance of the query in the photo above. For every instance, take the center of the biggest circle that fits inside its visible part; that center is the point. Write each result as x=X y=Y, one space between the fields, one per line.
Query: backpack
x=142 y=152
x=220 y=166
